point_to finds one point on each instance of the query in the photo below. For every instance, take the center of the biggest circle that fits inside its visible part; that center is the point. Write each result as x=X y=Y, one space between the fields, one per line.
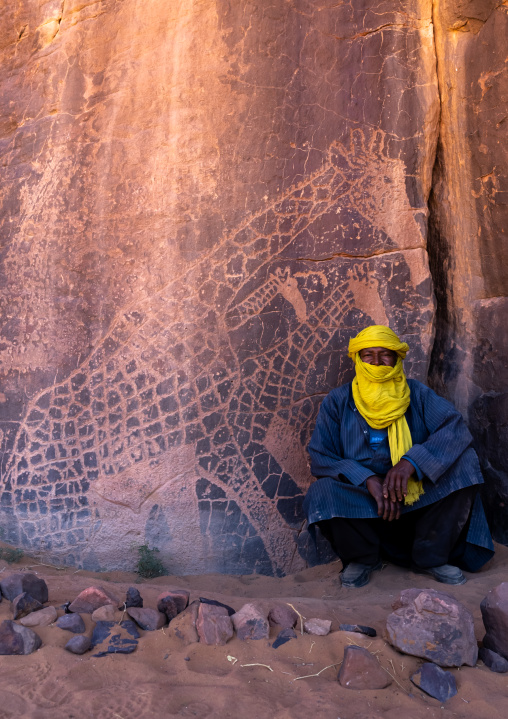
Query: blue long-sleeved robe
x=342 y=459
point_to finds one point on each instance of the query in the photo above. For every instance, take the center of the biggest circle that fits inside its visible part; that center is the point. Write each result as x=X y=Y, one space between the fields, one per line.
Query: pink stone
x=148 y=619
x=319 y=627
x=250 y=623
x=184 y=625
x=42 y=618
x=360 y=670
x=283 y=616
x=105 y=613
x=214 y=625
x=91 y=599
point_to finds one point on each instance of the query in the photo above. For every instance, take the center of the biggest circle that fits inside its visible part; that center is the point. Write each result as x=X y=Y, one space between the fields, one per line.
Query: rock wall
x=469 y=232
x=202 y=202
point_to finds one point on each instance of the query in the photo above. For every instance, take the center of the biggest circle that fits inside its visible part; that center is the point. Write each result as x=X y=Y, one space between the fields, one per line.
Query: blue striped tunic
x=342 y=459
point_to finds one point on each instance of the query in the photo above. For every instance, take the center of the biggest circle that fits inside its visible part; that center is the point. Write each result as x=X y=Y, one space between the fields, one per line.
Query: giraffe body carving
x=186 y=425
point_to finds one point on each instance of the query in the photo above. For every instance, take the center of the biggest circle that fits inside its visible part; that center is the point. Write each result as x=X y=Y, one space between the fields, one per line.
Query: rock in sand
x=173 y=602
x=184 y=625
x=318 y=627
x=251 y=623
x=71 y=623
x=133 y=598
x=284 y=636
x=104 y=614
x=435 y=681
x=91 y=599
x=361 y=670
x=78 y=644
x=358 y=628
x=24 y=604
x=495 y=617
x=213 y=624
x=15 y=584
x=433 y=625
x=283 y=616
x=42 y=618
x=16 y=639
x=148 y=619
x=112 y=638
x=495 y=662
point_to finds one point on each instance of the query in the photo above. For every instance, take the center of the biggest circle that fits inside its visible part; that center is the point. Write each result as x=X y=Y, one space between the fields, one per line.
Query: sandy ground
x=163 y=678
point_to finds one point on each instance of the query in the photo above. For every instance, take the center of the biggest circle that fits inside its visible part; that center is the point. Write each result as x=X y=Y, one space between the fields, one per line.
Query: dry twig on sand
x=319 y=672
x=257 y=665
x=301 y=618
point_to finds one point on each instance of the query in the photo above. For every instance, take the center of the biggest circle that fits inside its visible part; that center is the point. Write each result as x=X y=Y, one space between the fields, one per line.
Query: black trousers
x=427 y=537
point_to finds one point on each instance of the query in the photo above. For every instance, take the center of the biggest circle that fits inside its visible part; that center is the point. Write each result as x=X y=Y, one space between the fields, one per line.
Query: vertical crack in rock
x=468 y=247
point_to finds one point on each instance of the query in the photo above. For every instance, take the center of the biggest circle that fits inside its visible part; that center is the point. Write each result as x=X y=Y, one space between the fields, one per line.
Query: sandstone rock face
x=433 y=625
x=468 y=235
x=201 y=203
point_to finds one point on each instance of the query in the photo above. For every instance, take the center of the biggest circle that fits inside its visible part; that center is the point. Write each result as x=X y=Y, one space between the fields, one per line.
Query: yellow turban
x=382 y=396
x=377 y=336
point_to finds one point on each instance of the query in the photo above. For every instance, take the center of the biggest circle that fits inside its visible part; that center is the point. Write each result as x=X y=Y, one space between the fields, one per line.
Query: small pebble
x=359 y=628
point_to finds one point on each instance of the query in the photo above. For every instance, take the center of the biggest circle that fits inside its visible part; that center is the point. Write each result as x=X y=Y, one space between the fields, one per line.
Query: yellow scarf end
x=414 y=492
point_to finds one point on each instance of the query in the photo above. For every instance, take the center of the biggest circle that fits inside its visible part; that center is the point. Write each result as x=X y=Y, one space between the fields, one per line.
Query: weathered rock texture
x=201 y=203
x=468 y=231
x=433 y=625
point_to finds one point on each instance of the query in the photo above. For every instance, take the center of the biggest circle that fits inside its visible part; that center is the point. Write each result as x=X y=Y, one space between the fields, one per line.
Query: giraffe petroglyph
x=180 y=397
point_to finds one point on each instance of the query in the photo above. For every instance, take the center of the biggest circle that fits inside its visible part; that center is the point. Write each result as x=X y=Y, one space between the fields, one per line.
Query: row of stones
x=424 y=623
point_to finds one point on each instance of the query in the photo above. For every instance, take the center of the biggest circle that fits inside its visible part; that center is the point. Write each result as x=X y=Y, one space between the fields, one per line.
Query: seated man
x=396 y=472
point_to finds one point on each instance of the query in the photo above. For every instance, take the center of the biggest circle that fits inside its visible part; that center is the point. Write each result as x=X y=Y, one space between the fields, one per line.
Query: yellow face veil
x=381 y=394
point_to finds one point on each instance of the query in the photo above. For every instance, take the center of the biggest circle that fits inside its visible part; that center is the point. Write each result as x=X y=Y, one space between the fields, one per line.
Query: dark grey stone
x=71 y=623
x=133 y=598
x=112 y=638
x=15 y=584
x=215 y=603
x=494 y=661
x=284 y=636
x=435 y=681
x=359 y=628
x=78 y=644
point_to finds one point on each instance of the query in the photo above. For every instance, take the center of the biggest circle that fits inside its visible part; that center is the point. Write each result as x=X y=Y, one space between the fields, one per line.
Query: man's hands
x=386 y=508
x=395 y=484
x=390 y=494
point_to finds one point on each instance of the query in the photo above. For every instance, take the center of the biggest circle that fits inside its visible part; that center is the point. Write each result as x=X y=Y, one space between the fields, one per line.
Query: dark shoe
x=446 y=574
x=358 y=575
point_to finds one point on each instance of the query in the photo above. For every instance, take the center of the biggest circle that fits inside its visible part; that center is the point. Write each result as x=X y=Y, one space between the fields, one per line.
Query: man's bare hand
x=386 y=508
x=395 y=484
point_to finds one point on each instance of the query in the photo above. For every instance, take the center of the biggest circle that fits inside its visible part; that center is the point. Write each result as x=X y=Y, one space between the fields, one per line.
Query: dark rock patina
x=433 y=625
